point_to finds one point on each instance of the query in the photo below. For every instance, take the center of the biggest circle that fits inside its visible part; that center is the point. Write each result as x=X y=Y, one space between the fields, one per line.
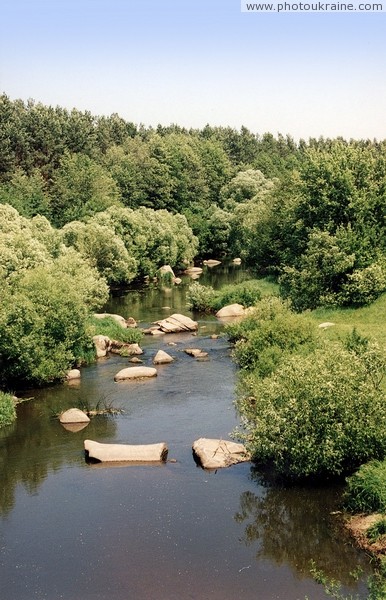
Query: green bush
x=110 y=328
x=200 y=297
x=205 y=299
x=366 y=489
x=269 y=334
x=43 y=319
x=7 y=409
x=316 y=415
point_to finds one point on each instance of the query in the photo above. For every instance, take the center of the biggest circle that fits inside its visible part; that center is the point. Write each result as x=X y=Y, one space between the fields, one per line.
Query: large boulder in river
x=135 y=373
x=126 y=452
x=162 y=358
x=217 y=453
x=232 y=310
x=176 y=323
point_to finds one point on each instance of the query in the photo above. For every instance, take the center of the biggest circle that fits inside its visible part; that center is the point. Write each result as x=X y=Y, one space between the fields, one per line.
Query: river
x=74 y=531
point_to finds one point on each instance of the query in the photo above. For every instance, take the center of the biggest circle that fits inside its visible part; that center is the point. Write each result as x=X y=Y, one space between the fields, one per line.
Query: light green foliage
x=113 y=330
x=102 y=248
x=81 y=187
x=366 y=489
x=269 y=335
x=316 y=415
x=20 y=250
x=206 y=299
x=43 y=319
x=7 y=409
x=363 y=286
x=201 y=297
x=152 y=238
x=246 y=185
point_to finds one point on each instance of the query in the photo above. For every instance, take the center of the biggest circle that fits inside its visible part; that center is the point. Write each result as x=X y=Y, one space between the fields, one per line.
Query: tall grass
x=110 y=328
x=366 y=489
x=7 y=409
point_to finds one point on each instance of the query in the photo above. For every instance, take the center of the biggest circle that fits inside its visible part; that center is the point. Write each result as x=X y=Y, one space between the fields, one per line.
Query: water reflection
x=294 y=525
x=38 y=444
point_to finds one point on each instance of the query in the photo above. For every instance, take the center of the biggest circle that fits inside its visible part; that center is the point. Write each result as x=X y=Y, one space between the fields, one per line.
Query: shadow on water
x=74 y=531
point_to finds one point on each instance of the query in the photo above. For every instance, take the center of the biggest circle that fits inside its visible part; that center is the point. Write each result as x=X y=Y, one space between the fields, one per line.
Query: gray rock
x=217 y=453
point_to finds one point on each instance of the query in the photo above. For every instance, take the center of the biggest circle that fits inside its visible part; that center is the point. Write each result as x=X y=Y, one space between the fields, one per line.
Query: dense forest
x=87 y=202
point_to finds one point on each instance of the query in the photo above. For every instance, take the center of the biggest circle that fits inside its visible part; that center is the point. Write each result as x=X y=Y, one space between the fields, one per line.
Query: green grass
x=368 y=320
x=110 y=328
x=366 y=489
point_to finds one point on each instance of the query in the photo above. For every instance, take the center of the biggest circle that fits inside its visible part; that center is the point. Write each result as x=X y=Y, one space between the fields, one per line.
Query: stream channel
x=74 y=531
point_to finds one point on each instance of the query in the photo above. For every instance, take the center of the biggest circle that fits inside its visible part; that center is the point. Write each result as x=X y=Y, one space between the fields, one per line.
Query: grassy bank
x=369 y=320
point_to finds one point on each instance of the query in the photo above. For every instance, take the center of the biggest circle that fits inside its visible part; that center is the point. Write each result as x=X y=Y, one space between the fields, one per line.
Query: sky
x=193 y=62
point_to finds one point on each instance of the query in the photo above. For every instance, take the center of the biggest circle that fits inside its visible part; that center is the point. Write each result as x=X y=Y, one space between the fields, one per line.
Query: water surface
x=74 y=531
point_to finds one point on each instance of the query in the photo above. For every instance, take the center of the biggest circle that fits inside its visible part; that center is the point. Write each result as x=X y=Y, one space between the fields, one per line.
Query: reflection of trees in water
x=294 y=526
x=37 y=444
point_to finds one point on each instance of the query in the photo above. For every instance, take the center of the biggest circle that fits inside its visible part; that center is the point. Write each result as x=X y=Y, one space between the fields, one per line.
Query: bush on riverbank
x=268 y=335
x=316 y=415
x=43 y=319
x=204 y=298
x=7 y=409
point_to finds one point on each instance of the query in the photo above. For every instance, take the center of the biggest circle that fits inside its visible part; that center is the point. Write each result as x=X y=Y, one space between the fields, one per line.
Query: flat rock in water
x=232 y=310
x=126 y=452
x=135 y=373
x=162 y=358
x=216 y=453
x=176 y=323
x=196 y=352
x=74 y=415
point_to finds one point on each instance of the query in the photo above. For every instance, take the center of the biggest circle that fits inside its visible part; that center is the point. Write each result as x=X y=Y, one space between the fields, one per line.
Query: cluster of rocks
x=209 y=453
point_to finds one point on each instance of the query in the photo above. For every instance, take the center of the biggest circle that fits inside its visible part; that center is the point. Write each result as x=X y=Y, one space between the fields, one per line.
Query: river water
x=74 y=531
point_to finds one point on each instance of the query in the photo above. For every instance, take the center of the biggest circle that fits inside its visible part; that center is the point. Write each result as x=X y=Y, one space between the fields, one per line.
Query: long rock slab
x=126 y=452
x=217 y=453
x=135 y=373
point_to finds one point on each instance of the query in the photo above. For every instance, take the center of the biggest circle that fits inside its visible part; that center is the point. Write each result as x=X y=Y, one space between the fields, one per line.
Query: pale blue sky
x=194 y=62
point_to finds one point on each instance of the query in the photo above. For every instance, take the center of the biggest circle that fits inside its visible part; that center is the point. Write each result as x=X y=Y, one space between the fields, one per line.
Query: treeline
x=312 y=213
